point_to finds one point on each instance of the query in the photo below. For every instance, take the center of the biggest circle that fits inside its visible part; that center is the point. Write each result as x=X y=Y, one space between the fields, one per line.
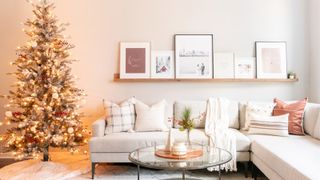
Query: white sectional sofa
x=293 y=157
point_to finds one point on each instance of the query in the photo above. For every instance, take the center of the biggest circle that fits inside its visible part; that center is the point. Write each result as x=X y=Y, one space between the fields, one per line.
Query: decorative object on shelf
x=170 y=141
x=187 y=123
x=245 y=68
x=45 y=101
x=292 y=75
x=223 y=65
x=162 y=64
x=134 y=60
x=194 y=56
x=271 y=60
x=179 y=149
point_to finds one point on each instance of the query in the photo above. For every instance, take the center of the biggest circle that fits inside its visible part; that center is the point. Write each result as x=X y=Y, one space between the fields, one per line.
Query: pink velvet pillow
x=295 y=111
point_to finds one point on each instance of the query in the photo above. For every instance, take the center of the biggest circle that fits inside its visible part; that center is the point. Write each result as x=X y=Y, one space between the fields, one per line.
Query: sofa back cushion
x=311 y=115
x=198 y=111
x=234 y=115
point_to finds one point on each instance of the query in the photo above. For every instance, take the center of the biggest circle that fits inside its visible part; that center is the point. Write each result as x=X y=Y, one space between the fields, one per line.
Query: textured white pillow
x=263 y=109
x=119 y=118
x=151 y=118
x=270 y=125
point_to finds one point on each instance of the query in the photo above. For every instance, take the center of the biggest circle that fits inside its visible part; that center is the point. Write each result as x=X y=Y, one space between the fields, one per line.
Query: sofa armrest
x=98 y=127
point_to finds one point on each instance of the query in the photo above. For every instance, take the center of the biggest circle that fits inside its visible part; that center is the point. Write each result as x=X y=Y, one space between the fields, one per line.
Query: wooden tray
x=168 y=155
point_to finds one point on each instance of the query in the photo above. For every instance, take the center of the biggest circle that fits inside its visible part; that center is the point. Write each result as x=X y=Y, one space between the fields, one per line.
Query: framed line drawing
x=271 y=60
x=194 y=56
x=245 y=68
x=134 y=60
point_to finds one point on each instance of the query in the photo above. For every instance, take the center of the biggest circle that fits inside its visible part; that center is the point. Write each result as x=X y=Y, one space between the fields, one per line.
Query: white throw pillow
x=119 y=118
x=263 y=109
x=269 y=125
x=151 y=118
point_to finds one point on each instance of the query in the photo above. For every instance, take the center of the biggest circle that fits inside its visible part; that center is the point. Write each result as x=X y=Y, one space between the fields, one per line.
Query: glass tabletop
x=211 y=156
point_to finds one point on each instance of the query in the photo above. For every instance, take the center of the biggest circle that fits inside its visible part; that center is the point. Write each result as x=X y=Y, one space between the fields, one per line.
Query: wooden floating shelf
x=117 y=79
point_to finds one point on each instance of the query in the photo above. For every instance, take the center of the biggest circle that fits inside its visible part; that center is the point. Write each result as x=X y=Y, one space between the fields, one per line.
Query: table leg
x=138 y=168
x=219 y=172
x=183 y=174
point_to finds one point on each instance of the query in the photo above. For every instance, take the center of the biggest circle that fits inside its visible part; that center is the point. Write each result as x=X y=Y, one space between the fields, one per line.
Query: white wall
x=314 y=13
x=97 y=27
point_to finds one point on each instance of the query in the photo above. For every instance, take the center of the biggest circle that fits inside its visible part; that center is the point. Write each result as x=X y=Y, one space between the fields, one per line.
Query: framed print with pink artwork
x=271 y=60
x=134 y=60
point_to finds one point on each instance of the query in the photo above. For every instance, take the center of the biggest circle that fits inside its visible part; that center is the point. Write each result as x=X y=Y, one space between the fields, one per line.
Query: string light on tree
x=44 y=103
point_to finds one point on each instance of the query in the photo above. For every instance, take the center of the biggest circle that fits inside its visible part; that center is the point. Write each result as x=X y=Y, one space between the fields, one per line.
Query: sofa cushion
x=234 y=115
x=199 y=107
x=269 y=125
x=316 y=133
x=126 y=142
x=119 y=118
x=198 y=112
x=151 y=118
x=295 y=110
x=243 y=107
x=293 y=157
x=243 y=142
x=311 y=114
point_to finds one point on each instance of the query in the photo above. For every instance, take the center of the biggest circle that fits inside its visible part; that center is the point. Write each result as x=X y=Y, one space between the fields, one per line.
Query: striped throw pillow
x=269 y=125
x=119 y=118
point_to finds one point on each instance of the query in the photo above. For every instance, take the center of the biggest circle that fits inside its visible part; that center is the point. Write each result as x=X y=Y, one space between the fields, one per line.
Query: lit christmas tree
x=44 y=103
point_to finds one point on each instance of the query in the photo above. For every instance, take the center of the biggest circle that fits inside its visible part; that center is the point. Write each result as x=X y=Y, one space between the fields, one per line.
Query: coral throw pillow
x=295 y=111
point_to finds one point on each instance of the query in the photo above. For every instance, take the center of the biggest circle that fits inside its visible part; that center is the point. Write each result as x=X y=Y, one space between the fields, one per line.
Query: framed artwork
x=271 y=60
x=245 y=67
x=194 y=56
x=134 y=60
x=162 y=64
x=223 y=65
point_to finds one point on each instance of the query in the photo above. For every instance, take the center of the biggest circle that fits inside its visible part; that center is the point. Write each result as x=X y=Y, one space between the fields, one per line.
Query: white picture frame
x=223 y=65
x=134 y=60
x=271 y=60
x=193 y=56
x=245 y=67
x=162 y=64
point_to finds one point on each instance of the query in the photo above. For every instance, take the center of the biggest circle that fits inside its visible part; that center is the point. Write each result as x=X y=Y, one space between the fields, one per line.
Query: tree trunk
x=46 y=153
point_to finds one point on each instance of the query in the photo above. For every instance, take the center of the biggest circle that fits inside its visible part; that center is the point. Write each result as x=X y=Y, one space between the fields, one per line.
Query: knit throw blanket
x=217 y=129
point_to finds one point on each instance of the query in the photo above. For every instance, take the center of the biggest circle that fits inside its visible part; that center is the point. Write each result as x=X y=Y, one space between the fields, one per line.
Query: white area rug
x=78 y=167
x=129 y=172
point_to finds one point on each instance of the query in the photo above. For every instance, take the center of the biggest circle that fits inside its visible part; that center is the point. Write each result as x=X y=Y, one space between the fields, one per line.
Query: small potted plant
x=292 y=75
x=187 y=123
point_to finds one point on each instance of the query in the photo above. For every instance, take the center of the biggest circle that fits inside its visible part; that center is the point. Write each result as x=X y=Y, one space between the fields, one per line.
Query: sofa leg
x=254 y=172
x=246 y=169
x=93 y=168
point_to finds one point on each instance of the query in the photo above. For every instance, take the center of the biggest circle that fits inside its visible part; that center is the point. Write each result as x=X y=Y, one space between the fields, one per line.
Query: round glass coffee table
x=211 y=157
